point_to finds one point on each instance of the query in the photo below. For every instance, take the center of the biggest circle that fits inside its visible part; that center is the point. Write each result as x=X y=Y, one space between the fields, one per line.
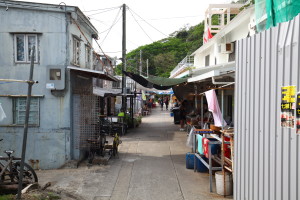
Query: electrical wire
x=148 y=23
x=166 y=18
x=103 y=11
x=137 y=70
x=103 y=52
x=140 y=26
x=113 y=52
x=98 y=20
x=114 y=23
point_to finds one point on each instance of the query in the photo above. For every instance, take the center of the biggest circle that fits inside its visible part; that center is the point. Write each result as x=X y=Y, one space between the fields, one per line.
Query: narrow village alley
x=151 y=165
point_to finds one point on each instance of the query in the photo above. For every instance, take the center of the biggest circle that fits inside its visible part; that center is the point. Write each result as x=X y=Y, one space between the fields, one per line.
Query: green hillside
x=165 y=54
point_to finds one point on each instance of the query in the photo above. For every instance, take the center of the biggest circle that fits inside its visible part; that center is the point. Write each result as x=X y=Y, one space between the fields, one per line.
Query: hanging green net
x=271 y=12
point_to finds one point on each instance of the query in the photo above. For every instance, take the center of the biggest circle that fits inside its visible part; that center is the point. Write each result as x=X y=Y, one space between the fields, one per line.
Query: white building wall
x=236 y=30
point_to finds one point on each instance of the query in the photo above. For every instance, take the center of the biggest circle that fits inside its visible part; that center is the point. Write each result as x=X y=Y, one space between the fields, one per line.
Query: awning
x=210 y=74
x=156 y=82
x=105 y=92
x=93 y=73
x=212 y=71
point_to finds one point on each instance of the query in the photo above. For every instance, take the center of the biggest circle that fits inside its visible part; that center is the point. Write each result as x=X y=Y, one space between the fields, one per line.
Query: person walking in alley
x=149 y=104
x=182 y=114
x=161 y=102
x=167 y=102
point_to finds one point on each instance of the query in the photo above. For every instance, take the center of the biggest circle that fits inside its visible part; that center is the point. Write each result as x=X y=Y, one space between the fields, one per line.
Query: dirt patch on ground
x=39 y=194
x=48 y=195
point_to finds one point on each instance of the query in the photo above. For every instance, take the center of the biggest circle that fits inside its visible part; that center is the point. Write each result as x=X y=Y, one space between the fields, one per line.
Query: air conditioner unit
x=226 y=48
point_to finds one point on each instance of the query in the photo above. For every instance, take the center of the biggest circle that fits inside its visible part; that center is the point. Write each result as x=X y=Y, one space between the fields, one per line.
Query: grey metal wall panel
x=267 y=157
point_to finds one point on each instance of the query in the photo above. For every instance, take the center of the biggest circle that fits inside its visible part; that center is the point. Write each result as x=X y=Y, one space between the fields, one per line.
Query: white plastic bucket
x=220 y=181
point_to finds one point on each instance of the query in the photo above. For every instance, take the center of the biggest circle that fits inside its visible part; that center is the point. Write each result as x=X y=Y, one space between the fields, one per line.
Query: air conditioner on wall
x=225 y=48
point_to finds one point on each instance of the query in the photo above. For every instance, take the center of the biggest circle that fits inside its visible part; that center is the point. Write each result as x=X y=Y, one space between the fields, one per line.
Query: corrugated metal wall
x=267 y=157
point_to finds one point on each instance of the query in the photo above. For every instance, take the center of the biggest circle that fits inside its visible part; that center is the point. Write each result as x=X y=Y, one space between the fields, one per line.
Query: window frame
x=26 y=47
x=88 y=51
x=75 y=42
x=207 y=60
x=16 y=111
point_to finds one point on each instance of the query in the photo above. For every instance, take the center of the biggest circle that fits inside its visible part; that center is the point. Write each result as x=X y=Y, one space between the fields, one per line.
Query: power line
x=137 y=70
x=98 y=20
x=103 y=52
x=166 y=18
x=148 y=23
x=103 y=11
x=114 y=52
x=140 y=26
x=114 y=23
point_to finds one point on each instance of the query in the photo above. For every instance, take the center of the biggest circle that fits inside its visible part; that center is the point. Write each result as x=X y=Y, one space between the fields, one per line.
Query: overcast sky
x=147 y=20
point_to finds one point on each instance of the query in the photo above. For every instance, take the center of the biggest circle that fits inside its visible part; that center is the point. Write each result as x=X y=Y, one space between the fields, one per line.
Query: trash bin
x=176 y=113
x=189 y=160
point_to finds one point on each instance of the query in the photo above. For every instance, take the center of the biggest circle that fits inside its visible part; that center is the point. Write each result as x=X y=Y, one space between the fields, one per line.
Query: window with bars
x=76 y=51
x=88 y=56
x=19 y=111
x=23 y=45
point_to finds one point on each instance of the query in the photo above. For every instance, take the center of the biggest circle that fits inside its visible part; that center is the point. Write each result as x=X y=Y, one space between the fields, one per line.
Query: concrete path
x=151 y=166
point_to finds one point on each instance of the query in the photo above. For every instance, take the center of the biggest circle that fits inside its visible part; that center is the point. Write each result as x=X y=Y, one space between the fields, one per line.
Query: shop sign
x=288 y=101
x=298 y=114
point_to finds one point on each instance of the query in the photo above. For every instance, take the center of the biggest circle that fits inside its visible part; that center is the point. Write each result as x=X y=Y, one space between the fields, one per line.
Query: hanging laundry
x=213 y=106
x=2 y=113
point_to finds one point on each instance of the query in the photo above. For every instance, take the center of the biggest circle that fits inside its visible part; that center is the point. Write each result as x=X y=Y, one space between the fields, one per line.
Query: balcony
x=182 y=66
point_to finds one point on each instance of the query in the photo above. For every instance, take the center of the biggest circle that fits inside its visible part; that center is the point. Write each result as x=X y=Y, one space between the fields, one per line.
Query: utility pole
x=140 y=62
x=147 y=68
x=30 y=83
x=124 y=97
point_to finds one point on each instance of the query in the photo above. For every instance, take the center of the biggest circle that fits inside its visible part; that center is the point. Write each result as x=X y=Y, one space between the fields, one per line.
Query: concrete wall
x=49 y=143
x=267 y=156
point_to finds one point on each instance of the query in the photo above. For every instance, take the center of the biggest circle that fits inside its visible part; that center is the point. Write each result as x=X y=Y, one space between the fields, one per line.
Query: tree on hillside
x=165 y=54
x=163 y=63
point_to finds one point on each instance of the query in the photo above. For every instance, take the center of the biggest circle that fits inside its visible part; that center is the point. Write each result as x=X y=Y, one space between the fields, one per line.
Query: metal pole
x=131 y=106
x=147 y=68
x=140 y=62
x=18 y=81
x=30 y=83
x=202 y=113
x=222 y=92
x=210 y=167
x=124 y=59
x=195 y=86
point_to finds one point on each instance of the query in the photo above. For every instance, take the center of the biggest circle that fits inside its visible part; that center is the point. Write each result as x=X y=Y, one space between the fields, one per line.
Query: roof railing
x=186 y=62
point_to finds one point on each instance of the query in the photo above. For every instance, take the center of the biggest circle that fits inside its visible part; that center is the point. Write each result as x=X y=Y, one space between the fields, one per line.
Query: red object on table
x=227 y=148
x=214 y=147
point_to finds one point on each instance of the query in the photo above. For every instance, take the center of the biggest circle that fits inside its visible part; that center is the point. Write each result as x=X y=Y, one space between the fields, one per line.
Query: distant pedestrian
x=161 y=102
x=182 y=114
x=167 y=102
x=149 y=104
